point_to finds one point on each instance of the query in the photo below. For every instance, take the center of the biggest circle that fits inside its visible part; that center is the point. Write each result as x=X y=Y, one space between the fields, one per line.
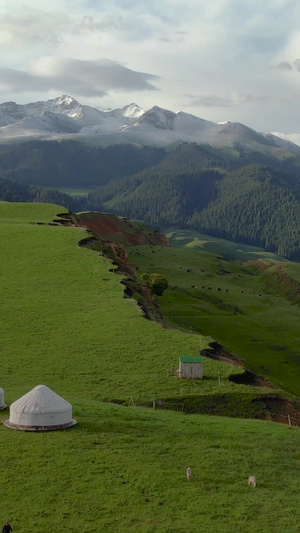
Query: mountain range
x=164 y=168
x=64 y=117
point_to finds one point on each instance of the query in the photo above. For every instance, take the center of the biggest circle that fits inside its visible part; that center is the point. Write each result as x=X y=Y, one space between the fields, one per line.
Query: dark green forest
x=235 y=194
x=11 y=191
x=254 y=205
x=73 y=164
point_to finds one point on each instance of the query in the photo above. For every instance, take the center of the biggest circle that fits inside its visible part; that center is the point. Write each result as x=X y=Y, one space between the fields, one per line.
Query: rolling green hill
x=66 y=324
x=244 y=298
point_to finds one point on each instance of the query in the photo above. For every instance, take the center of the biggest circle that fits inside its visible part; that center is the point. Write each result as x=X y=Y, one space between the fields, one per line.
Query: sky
x=236 y=60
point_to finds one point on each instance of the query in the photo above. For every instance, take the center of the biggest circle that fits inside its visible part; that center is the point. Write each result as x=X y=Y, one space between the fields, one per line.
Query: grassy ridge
x=67 y=325
x=230 y=302
x=65 y=320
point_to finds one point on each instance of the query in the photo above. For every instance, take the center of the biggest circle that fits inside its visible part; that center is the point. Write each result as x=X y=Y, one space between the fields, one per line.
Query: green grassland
x=64 y=315
x=123 y=470
x=237 y=305
x=66 y=324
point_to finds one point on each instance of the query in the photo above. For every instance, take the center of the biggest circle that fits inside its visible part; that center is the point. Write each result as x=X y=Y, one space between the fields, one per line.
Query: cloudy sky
x=236 y=60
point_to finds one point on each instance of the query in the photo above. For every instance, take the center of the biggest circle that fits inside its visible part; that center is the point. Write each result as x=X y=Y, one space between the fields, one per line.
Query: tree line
x=11 y=191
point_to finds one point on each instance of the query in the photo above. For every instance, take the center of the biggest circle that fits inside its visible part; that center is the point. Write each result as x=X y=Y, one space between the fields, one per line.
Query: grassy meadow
x=211 y=292
x=123 y=470
x=65 y=320
x=66 y=324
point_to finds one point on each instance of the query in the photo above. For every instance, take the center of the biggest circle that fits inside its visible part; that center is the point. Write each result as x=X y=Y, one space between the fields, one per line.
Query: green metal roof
x=187 y=359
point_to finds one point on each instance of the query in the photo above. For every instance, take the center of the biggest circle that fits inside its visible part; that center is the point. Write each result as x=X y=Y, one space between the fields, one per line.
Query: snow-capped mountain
x=129 y=111
x=63 y=110
x=65 y=117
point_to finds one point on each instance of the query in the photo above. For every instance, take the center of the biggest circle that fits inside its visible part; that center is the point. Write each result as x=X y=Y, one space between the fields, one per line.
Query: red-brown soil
x=280 y=410
x=108 y=227
x=289 y=286
x=277 y=278
x=260 y=264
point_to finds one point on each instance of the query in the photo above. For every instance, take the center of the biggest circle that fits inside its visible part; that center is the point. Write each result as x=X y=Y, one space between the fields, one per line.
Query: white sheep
x=189 y=474
x=252 y=481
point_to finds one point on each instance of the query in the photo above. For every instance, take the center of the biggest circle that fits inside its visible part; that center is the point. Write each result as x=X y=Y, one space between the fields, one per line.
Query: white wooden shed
x=190 y=367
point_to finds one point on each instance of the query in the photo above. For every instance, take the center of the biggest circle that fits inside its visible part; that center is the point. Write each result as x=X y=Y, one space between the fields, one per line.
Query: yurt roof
x=41 y=409
x=41 y=399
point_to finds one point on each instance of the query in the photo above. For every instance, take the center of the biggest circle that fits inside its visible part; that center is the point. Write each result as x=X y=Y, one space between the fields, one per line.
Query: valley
x=68 y=325
x=218 y=223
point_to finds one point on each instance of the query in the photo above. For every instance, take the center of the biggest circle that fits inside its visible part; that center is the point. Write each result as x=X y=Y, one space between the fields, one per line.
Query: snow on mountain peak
x=65 y=99
x=133 y=111
x=67 y=105
x=64 y=117
x=159 y=118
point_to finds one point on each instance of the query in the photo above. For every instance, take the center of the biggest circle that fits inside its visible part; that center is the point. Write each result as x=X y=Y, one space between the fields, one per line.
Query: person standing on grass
x=6 y=528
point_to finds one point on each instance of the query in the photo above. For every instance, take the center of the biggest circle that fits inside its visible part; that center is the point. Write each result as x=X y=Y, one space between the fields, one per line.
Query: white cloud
x=236 y=99
x=34 y=26
x=85 y=78
x=293 y=137
x=220 y=51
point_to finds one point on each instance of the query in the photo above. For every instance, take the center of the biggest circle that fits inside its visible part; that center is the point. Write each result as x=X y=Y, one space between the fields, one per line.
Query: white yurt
x=2 y=404
x=40 y=409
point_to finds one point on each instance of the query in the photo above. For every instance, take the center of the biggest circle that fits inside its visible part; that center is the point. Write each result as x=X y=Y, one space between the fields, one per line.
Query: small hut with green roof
x=190 y=367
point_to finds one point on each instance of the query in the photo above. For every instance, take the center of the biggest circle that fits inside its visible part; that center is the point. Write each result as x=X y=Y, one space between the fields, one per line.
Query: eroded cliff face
x=113 y=228
x=111 y=235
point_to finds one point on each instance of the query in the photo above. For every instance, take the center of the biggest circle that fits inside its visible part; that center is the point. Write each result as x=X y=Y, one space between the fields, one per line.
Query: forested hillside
x=254 y=205
x=73 y=164
x=76 y=165
x=233 y=193
x=11 y=191
x=159 y=200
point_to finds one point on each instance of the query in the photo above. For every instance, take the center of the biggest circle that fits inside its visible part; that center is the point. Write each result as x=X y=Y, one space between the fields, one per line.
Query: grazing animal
x=189 y=474
x=252 y=481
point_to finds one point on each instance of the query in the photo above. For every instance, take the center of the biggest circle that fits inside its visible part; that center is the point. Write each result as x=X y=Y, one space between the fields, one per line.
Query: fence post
x=131 y=401
x=289 y=419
